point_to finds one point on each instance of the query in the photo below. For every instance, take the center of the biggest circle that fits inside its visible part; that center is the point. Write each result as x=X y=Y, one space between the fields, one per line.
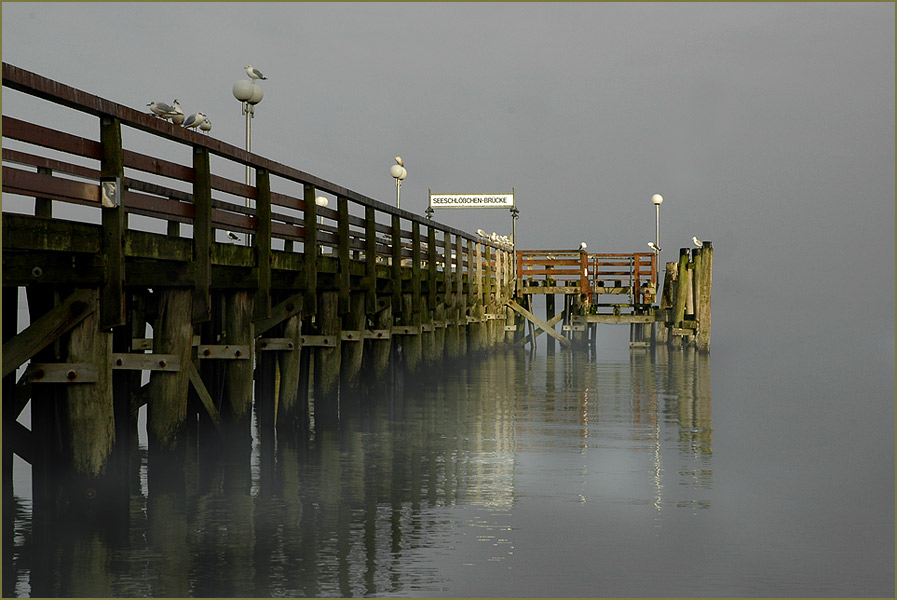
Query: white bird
x=654 y=247
x=254 y=73
x=582 y=245
x=399 y=161
x=160 y=109
x=482 y=233
x=206 y=125
x=179 y=116
x=697 y=242
x=233 y=236
x=194 y=120
x=493 y=237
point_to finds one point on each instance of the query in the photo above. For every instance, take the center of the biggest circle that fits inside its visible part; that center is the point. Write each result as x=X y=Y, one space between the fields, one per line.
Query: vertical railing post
x=370 y=260
x=114 y=220
x=396 y=270
x=415 y=267
x=310 y=249
x=262 y=309
x=202 y=235
x=343 y=254
x=431 y=267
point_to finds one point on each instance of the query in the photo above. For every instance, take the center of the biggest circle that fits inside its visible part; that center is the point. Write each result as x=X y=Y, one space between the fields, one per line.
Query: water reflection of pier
x=344 y=512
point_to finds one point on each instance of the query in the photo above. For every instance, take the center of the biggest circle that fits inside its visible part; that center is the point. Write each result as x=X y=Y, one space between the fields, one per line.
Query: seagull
x=254 y=73
x=400 y=162
x=206 y=125
x=178 y=117
x=582 y=245
x=482 y=233
x=654 y=247
x=233 y=236
x=160 y=109
x=493 y=237
x=697 y=242
x=194 y=120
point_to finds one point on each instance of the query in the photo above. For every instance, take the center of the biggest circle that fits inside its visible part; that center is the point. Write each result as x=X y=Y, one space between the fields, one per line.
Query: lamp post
x=249 y=94
x=398 y=173
x=657 y=199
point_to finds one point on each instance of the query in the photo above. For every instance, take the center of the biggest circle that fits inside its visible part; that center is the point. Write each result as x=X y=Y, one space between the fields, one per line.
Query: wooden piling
x=327 y=361
x=703 y=292
x=354 y=321
x=167 y=391
x=239 y=336
x=289 y=413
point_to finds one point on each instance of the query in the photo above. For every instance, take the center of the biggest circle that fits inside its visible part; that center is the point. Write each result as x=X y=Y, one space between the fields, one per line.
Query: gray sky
x=768 y=128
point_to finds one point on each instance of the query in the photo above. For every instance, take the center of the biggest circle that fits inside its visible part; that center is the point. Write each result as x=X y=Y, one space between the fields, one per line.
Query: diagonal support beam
x=204 y=395
x=539 y=323
x=47 y=329
x=550 y=322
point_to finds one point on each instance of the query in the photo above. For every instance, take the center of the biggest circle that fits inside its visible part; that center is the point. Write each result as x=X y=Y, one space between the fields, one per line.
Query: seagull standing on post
x=582 y=246
x=697 y=242
x=254 y=73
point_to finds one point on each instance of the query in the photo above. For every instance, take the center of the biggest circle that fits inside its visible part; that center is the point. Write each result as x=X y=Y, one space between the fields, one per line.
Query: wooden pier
x=137 y=296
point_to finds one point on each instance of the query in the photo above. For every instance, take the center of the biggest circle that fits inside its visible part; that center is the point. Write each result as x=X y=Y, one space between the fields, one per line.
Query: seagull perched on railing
x=195 y=120
x=697 y=242
x=254 y=73
x=582 y=245
x=654 y=246
x=160 y=109
x=482 y=233
x=179 y=115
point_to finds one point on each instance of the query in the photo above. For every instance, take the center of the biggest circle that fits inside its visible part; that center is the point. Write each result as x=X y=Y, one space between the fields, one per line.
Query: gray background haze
x=768 y=128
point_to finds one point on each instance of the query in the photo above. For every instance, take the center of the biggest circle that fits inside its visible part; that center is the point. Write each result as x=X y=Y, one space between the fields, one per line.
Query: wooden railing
x=191 y=201
x=573 y=271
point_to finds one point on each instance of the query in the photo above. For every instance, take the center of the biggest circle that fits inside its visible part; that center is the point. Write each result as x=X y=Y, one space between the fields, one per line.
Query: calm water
x=599 y=473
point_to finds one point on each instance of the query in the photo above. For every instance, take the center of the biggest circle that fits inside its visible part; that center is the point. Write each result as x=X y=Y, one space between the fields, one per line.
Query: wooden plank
x=326 y=341
x=224 y=351
x=405 y=330
x=352 y=336
x=377 y=334
x=204 y=396
x=47 y=329
x=146 y=362
x=16 y=129
x=550 y=322
x=62 y=373
x=202 y=236
x=276 y=344
x=25 y=183
x=539 y=323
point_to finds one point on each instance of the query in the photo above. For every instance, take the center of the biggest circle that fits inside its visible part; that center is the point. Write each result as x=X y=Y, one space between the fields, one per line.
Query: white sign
x=471 y=200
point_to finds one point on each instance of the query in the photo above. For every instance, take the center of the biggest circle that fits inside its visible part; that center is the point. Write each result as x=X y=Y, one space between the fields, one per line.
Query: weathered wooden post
x=677 y=314
x=327 y=361
x=705 y=279
x=662 y=328
x=167 y=391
